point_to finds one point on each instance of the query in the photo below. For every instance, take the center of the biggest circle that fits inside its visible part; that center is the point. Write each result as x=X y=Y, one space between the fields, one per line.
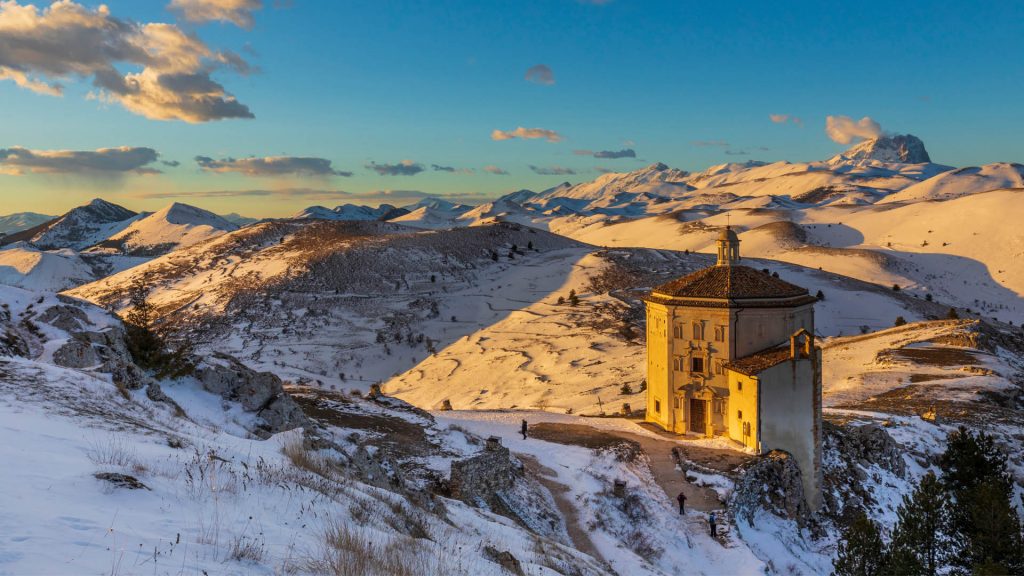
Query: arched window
x=698 y=330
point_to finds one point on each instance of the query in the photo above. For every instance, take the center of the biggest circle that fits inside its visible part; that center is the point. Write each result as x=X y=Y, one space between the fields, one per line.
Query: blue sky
x=371 y=82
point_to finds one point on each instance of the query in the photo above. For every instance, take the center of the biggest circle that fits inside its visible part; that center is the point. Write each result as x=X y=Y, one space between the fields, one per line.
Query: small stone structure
x=619 y=488
x=478 y=478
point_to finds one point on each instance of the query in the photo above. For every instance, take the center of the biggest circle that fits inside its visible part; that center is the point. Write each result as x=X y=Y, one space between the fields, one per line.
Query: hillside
x=12 y=223
x=77 y=229
x=175 y=226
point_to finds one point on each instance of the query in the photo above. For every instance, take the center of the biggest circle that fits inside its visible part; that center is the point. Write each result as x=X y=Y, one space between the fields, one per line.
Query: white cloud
x=238 y=12
x=540 y=74
x=527 y=134
x=845 y=130
x=491 y=168
x=67 y=40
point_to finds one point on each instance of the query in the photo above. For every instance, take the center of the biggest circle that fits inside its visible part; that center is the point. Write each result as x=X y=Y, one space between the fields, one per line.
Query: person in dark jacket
x=682 y=503
x=713 y=522
x=523 y=429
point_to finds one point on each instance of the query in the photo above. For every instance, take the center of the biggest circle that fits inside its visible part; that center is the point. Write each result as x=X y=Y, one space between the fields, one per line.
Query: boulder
x=773 y=483
x=76 y=353
x=260 y=392
x=67 y=318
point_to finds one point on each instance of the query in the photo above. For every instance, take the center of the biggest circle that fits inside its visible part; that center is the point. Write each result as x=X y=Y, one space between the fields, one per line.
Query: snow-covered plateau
x=349 y=384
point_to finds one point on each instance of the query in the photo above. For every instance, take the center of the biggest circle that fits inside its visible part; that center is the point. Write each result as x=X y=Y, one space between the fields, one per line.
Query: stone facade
x=730 y=352
x=478 y=478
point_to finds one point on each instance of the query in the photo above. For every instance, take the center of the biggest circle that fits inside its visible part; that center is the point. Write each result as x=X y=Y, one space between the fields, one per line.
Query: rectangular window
x=657 y=406
x=678 y=363
x=719 y=333
x=697 y=364
x=677 y=402
x=739 y=385
x=739 y=414
x=718 y=367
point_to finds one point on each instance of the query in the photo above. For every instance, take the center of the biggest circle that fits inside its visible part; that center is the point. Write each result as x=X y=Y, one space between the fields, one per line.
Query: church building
x=730 y=352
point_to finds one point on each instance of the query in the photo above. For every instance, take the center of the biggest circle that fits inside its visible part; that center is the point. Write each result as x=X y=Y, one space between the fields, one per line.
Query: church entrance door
x=698 y=416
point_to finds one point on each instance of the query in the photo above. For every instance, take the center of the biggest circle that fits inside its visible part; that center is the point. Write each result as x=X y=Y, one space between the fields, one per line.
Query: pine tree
x=983 y=522
x=861 y=551
x=900 y=321
x=995 y=542
x=145 y=343
x=918 y=541
x=145 y=346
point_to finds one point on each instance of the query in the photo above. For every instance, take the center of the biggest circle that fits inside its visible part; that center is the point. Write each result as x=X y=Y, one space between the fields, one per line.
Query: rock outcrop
x=773 y=483
x=259 y=392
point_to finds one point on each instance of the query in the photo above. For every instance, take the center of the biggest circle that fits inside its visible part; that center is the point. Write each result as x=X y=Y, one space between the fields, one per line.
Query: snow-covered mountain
x=239 y=220
x=175 y=226
x=352 y=212
x=79 y=228
x=12 y=223
x=901 y=148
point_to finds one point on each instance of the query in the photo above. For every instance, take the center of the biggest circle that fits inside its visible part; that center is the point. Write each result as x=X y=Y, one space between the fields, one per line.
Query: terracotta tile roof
x=758 y=362
x=729 y=282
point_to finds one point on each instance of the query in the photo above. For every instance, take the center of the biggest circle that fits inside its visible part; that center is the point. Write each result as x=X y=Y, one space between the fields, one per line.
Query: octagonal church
x=730 y=352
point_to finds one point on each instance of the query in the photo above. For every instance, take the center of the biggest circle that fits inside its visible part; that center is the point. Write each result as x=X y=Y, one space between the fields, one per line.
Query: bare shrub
x=346 y=552
x=311 y=461
x=246 y=548
x=113 y=450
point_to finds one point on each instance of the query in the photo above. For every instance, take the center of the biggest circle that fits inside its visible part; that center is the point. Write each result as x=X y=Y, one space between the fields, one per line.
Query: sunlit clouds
x=272 y=166
x=552 y=170
x=785 y=118
x=105 y=161
x=66 y=41
x=492 y=169
x=845 y=130
x=527 y=134
x=403 y=168
x=540 y=74
x=237 y=12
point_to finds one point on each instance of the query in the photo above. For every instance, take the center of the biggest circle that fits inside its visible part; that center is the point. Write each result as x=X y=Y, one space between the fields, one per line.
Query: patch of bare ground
x=587 y=437
x=933 y=356
x=394 y=435
x=917 y=399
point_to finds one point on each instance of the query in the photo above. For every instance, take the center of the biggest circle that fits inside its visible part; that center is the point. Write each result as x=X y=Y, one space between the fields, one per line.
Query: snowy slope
x=962 y=182
x=12 y=223
x=175 y=226
x=26 y=267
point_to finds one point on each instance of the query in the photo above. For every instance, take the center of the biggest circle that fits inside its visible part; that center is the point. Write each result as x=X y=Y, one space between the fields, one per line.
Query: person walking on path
x=682 y=503
x=713 y=522
x=523 y=429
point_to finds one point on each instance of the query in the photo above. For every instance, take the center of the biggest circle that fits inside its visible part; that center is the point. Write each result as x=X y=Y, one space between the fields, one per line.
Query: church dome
x=727 y=235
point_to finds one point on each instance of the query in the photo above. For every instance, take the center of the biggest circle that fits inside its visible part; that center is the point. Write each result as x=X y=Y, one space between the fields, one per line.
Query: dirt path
x=659 y=453
x=580 y=539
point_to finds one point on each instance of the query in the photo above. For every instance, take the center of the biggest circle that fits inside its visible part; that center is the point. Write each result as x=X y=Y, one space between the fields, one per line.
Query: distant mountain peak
x=900 y=148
